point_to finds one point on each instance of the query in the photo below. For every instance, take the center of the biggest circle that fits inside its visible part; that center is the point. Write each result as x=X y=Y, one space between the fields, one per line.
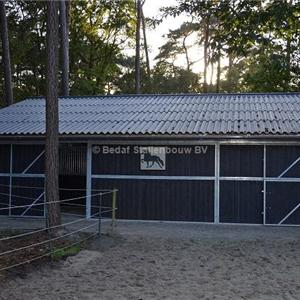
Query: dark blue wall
x=170 y=200
x=160 y=199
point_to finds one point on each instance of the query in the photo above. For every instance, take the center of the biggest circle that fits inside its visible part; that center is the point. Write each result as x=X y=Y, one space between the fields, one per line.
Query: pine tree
x=6 y=55
x=52 y=119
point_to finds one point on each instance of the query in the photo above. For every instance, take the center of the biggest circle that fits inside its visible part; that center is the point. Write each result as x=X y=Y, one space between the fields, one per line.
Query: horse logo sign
x=153 y=158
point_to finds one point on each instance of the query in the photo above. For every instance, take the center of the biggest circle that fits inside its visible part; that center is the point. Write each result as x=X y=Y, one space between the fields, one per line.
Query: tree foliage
x=243 y=45
x=99 y=32
x=261 y=36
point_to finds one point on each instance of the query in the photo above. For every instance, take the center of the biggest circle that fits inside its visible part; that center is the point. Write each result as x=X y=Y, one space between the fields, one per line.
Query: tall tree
x=146 y=44
x=202 y=13
x=205 y=51
x=178 y=44
x=52 y=119
x=99 y=32
x=64 y=30
x=218 y=74
x=6 y=55
x=252 y=37
x=137 y=48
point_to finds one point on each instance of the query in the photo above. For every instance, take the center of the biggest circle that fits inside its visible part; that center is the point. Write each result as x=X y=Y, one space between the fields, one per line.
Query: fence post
x=99 y=215
x=114 y=203
x=48 y=232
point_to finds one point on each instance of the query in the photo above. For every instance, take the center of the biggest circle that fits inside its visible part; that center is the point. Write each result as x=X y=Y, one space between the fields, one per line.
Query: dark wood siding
x=176 y=164
x=241 y=161
x=4 y=158
x=282 y=198
x=4 y=194
x=241 y=202
x=22 y=194
x=279 y=158
x=72 y=159
x=161 y=199
x=24 y=155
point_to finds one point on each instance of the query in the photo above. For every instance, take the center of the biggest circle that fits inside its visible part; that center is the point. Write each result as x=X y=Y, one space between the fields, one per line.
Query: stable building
x=216 y=158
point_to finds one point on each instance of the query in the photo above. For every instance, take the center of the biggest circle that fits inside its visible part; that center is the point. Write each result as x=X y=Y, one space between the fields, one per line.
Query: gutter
x=157 y=138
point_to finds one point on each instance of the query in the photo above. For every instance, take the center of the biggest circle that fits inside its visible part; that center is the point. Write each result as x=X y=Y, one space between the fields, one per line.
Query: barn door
x=241 y=170
x=282 y=199
x=283 y=203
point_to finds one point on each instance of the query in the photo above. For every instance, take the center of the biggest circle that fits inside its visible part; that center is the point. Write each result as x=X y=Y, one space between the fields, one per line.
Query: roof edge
x=154 y=136
x=173 y=95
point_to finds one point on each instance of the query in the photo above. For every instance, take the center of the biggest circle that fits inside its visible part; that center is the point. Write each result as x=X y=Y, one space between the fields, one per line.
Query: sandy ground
x=172 y=261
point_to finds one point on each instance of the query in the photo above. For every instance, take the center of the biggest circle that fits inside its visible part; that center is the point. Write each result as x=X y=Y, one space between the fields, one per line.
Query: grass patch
x=62 y=253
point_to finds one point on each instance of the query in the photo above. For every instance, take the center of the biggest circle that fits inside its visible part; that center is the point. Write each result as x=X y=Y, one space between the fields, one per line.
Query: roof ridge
x=173 y=95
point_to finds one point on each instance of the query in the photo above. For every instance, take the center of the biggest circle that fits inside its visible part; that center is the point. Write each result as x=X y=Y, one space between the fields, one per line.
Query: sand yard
x=171 y=261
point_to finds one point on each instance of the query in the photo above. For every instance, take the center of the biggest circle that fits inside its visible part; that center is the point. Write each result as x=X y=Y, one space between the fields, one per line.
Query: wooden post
x=48 y=233
x=99 y=215
x=113 y=214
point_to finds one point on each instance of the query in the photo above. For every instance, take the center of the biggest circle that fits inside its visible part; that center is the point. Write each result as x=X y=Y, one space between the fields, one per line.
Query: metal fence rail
x=51 y=235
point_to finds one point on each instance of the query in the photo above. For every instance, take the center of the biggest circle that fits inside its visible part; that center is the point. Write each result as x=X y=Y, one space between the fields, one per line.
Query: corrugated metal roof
x=203 y=114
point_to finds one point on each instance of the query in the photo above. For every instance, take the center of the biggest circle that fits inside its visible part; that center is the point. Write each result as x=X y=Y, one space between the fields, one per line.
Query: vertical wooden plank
x=88 y=180
x=265 y=185
x=10 y=177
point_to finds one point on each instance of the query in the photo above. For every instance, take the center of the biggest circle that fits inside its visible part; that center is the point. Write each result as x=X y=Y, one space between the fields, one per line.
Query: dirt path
x=168 y=261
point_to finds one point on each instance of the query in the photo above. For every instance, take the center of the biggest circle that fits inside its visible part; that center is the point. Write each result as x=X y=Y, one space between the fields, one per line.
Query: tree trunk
x=288 y=56
x=64 y=30
x=211 y=70
x=6 y=55
x=186 y=53
x=137 y=49
x=145 y=44
x=229 y=73
x=211 y=74
x=288 y=64
x=51 y=178
x=206 y=38
x=218 y=73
